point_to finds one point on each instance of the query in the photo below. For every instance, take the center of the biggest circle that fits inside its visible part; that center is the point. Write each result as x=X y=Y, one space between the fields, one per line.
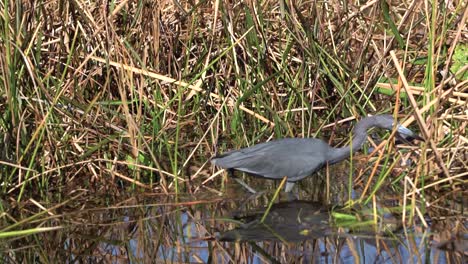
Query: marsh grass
x=139 y=95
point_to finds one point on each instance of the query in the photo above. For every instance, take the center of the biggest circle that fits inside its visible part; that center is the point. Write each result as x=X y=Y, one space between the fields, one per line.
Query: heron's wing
x=295 y=158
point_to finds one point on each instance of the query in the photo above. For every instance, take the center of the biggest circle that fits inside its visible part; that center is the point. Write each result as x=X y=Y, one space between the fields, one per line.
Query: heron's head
x=387 y=122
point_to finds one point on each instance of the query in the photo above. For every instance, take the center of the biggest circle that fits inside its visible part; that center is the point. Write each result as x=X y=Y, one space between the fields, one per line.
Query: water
x=167 y=229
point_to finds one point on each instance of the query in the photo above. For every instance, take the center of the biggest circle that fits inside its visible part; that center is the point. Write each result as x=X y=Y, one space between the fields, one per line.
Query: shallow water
x=158 y=228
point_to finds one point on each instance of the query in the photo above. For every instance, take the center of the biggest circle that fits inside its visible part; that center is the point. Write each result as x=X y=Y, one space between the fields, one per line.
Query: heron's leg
x=292 y=196
x=241 y=182
x=245 y=185
x=289 y=186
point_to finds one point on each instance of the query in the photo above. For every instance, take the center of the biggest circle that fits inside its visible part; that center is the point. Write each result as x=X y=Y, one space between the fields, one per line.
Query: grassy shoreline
x=141 y=94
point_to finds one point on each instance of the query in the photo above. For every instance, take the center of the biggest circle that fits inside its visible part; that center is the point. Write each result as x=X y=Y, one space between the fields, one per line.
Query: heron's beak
x=406 y=133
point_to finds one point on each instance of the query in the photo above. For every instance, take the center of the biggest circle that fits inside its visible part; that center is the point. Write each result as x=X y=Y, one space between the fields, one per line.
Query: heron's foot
x=292 y=196
x=255 y=195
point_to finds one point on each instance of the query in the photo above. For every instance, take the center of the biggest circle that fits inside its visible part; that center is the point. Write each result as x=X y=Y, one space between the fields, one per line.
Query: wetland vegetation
x=111 y=110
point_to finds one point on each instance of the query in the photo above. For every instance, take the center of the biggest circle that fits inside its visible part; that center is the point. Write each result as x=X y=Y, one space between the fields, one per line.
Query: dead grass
x=143 y=93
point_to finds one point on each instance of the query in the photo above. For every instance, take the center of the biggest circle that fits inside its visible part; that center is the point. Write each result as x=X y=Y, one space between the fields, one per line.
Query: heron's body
x=268 y=161
x=298 y=158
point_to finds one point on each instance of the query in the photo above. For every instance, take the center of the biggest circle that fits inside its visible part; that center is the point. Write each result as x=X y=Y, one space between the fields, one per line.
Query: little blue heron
x=298 y=158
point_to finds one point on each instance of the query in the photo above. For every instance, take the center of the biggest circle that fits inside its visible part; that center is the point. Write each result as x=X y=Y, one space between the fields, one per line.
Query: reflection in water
x=188 y=229
x=286 y=221
x=305 y=232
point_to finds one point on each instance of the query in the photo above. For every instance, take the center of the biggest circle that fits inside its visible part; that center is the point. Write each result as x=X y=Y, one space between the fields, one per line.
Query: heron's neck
x=360 y=135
